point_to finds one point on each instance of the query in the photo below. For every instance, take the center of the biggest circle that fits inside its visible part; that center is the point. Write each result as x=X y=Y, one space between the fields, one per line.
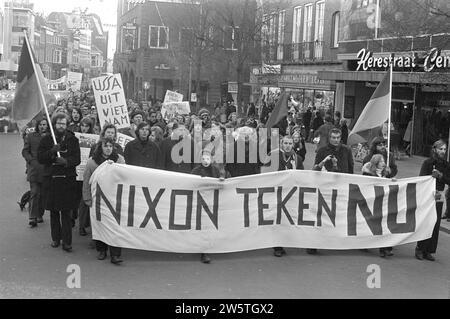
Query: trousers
x=430 y=245
x=36 y=206
x=113 y=251
x=61 y=226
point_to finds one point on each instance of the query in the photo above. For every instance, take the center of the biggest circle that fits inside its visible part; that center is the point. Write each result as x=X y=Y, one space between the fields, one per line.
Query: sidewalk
x=407 y=167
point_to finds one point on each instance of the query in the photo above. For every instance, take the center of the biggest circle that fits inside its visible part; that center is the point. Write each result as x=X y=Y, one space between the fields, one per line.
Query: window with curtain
x=335 y=27
x=296 y=25
x=281 y=27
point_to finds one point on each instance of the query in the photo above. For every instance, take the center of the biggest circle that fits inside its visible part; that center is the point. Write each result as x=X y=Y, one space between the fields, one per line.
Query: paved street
x=30 y=268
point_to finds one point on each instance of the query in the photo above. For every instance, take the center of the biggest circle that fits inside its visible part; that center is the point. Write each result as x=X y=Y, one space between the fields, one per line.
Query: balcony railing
x=294 y=52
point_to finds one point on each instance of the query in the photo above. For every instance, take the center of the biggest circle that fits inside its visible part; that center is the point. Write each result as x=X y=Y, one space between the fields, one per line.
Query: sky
x=106 y=9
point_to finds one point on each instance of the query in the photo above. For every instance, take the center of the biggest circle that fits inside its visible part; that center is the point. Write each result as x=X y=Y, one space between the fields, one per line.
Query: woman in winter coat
x=376 y=167
x=105 y=151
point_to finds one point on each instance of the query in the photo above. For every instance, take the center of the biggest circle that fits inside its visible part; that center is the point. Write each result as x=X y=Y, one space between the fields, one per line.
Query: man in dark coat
x=179 y=137
x=142 y=151
x=334 y=157
x=35 y=172
x=59 y=183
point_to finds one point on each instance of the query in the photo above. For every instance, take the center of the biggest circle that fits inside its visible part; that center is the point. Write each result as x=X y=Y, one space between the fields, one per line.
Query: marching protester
x=377 y=167
x=299 y=144
x=287 y=160
x=378 y=146
x=75 y=124
x=110 y=131
x=142 y=151
x=207 y=169
x=438 y=167
x=323 y=132
x=105 y=151
x=156 y=135
x=59 y=182
x=35 y=172
x=179 y=136
x=334 y=157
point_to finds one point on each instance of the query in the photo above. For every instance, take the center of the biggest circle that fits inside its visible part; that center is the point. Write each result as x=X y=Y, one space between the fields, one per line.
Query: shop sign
x=432 y=61
x=267 y=69
x=305 y=78
x=444 y=103
x=232 y=87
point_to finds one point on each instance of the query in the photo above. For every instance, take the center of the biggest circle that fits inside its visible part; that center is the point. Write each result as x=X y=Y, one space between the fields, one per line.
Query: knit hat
x=137 y=112
x=203 y=111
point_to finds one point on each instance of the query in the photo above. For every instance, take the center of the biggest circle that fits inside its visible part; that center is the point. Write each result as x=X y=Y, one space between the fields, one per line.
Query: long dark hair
x=36 y=128
x=98 y=153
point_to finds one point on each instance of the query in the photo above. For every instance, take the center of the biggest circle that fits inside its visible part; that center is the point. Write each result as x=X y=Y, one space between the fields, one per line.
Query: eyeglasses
x=381 y=144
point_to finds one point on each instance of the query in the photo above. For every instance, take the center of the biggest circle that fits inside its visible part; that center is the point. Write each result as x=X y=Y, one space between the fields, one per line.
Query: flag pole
x=389 y=118
x=40 y=89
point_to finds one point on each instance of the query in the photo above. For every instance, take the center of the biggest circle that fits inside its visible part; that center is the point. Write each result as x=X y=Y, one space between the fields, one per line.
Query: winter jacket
x=342 y=153
x=143 y=154
x=35 y=170
x=91 y=166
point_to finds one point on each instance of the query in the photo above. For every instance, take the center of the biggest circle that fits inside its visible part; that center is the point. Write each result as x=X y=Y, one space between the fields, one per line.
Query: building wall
x=170 y=67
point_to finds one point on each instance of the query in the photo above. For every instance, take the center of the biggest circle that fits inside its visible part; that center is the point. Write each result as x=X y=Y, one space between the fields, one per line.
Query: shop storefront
x=420 y=97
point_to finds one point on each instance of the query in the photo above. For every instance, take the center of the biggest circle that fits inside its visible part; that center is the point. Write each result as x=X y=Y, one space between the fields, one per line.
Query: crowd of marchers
x=51 y=167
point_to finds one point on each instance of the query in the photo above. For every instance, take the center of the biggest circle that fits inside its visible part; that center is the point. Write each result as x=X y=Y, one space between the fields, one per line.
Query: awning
x=376 y=76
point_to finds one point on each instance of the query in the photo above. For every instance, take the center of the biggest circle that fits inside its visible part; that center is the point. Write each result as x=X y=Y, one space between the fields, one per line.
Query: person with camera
x=334 y=157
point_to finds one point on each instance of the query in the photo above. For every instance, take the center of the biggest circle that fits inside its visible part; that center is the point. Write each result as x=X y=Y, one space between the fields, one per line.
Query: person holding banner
x=438 y=167
x=377 y=167
x=35 y=172
x=59 y=183
x=334 y=157
x=287 y=160
x=142 y=151
x=105 y=151
x=207 y=169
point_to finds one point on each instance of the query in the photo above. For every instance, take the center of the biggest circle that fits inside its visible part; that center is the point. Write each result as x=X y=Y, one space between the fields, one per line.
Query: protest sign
x=123 y=139
x=110 y=100
x=147 y=209
x=173 y=97
x=173 y=108
x=86 y=143
x=74 y=80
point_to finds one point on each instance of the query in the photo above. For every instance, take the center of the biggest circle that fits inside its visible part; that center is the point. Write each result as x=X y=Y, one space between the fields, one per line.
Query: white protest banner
x=74 y=80
x=54 y=84
x=174 y=108
x=86 y=143
x=173 y=97
x=110 y=100
x=123 y=139
x=155 y=210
